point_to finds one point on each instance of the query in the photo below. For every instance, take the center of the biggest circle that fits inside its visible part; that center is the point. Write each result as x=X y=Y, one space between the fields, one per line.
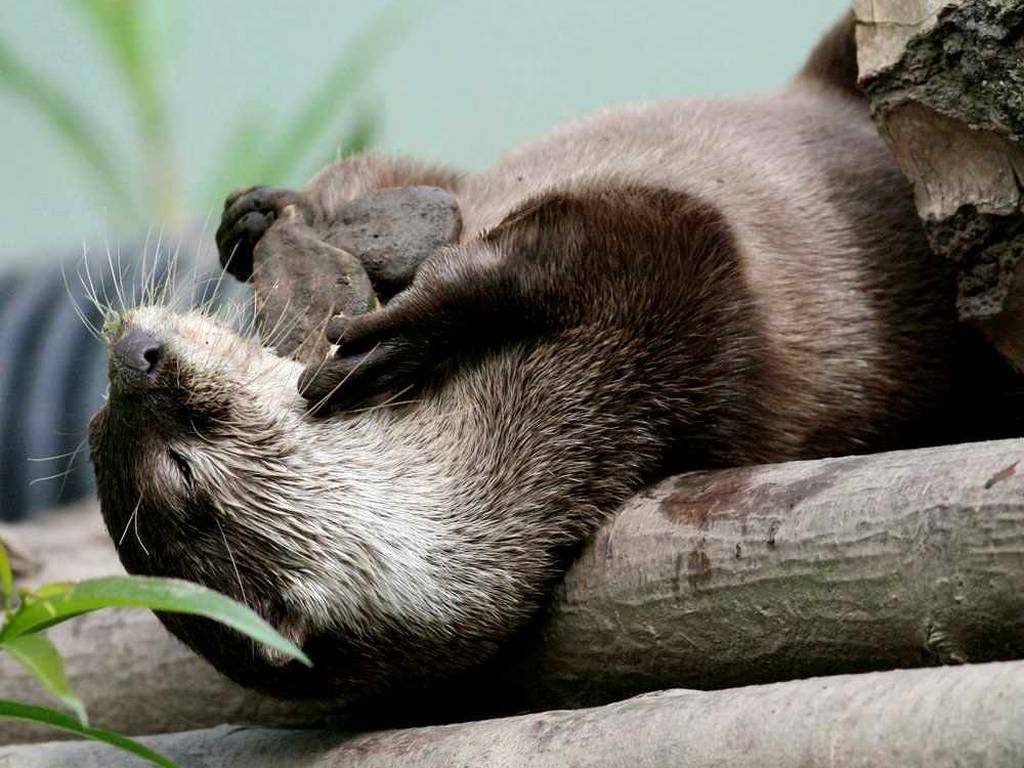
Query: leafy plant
x=134 y=36
x=27 y=613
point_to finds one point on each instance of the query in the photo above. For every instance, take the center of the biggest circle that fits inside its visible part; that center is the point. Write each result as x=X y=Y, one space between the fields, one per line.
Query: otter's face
x=193 y=456
x=334 y=529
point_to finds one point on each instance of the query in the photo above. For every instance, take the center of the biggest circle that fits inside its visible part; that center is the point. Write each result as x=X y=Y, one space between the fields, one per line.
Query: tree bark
x=708 y=580
x=964 y=716
x=762 y=574
x=945 y=80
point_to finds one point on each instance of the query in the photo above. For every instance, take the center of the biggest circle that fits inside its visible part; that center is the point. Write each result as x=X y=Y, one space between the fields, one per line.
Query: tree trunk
x=945 y=80
x=964 y=716
x=708 y=580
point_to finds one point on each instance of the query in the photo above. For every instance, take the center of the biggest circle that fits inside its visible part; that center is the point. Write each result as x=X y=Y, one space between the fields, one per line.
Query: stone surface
x=305 y=273
x=392 y=231
x=299 y=282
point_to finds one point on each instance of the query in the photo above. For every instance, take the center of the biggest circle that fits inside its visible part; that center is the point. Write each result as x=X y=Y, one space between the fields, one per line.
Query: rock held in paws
x=300 y=281
x=391 y=231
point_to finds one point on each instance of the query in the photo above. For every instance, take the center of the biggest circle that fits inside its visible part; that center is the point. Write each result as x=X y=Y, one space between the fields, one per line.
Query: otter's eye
x=183 y=467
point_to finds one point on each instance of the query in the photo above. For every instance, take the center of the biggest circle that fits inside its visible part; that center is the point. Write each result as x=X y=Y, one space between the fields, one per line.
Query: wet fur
x=657 y=288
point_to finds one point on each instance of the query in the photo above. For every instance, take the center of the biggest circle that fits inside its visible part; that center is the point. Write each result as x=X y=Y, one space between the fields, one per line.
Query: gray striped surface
x=53 y=370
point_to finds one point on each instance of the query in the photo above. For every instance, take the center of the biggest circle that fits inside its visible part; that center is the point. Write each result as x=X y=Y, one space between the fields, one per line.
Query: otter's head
x=195 y=459
x=209 y=468
x=341 y=531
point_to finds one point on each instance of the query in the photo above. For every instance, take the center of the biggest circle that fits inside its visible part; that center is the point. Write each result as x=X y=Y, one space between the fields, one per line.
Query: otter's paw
x=378 y=353
x=248 y=214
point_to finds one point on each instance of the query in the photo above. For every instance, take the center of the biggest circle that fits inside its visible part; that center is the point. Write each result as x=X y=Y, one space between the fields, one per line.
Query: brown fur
x=657 y=288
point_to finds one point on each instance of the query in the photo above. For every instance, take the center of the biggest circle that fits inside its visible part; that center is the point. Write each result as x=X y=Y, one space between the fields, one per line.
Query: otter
x=694 y=284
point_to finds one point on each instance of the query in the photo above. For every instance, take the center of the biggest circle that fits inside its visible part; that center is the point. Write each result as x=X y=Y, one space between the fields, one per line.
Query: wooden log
x=945 y=80
x=707 y=580
x=755 y=575
x=963 y=716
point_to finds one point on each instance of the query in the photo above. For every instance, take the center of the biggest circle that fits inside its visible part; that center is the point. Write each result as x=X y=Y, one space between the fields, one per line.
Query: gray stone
x=304 y=273
x=391 y=231
x=299 y=282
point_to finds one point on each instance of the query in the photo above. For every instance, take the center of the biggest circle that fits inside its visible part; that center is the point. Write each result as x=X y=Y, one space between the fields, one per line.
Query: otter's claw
x=379 y=352
x=248 y=214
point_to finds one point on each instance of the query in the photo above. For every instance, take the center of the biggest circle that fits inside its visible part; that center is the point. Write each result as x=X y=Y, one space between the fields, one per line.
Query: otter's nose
x=139 y=351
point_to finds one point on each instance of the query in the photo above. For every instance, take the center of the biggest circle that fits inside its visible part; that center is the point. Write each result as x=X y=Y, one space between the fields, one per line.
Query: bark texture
x=708 y=580
x=945 y=80
x=963 y=717
x=753 y=575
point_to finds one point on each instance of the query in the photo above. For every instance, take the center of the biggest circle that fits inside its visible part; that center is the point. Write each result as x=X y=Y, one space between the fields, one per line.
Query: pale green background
x=471 y=79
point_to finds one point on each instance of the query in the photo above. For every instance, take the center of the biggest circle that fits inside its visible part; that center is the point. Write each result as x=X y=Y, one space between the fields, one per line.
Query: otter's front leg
x=463 y=301
x=552 y=264
x=615 y=260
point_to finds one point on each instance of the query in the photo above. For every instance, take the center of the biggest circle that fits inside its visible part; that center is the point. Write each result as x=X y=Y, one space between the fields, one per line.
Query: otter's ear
x=295 y=630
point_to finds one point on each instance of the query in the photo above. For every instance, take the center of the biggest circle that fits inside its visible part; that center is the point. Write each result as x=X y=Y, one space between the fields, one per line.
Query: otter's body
x=695 y=284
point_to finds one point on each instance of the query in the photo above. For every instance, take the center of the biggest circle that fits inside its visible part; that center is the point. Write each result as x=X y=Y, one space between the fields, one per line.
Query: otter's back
x=856 y=310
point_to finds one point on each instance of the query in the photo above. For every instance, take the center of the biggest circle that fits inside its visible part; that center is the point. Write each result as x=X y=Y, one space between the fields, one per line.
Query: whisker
x=51 y=458
x=388 y=404
x=231 y=557
x=75 y=306
x=71 y=466
x=114 y=276
x=91 y=290
x=145 y=255
x=134 y=518
x=38 y=480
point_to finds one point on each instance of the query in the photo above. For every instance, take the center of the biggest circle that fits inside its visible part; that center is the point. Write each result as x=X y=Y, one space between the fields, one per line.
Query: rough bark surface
x=708 y=580
x=752 y=575
x=963 y=717
x=945 y=80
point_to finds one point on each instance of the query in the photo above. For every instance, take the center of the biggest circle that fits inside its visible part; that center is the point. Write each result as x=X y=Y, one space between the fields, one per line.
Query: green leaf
x=17 y=711
x=158 y=594
x=341 y=82
x=133 y=34
x=68 y=121
x=239 y=162
x=51 y=590
x=361 y=133
x=6 y=577
x=39 y=656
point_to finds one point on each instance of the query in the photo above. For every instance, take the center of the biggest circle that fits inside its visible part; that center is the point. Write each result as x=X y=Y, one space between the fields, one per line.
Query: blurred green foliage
x=136 y=37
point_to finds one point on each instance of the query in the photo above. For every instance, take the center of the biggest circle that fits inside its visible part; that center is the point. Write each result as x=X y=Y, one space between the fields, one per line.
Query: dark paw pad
x=248 y=214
